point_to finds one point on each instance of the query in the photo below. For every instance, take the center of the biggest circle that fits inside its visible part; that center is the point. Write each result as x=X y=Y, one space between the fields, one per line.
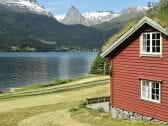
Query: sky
x=60 y=7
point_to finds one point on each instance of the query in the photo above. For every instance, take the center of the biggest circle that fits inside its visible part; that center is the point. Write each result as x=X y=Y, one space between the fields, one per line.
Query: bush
x=100 y=109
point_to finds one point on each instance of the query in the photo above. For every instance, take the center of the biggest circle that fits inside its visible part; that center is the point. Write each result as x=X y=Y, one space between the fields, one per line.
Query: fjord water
x=23 y=68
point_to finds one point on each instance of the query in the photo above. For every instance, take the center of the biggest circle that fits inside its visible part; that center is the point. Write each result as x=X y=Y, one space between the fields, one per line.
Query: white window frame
x=142 y=53
x=150 y=91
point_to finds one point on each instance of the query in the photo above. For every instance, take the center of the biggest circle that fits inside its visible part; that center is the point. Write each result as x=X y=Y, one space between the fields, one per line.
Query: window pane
x=148 y=36
x=144 y=36
x=153 y=43
x=148 y=46
x=153 y=36
x=157 y=97
x=158 y=35
x=158 y=49
x=155 y=91
x=157 y=85
x=148 y=42
x=148 y=49
x=146 y=95
x=153 y=49
x=154 y=97
x=145 y=89
x=158 y=42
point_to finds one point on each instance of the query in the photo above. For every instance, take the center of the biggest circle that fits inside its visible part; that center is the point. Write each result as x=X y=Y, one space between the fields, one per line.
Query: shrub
x=100 y=109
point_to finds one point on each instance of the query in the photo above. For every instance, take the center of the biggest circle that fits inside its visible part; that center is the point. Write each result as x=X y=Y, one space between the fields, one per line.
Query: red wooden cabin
x=139 y=72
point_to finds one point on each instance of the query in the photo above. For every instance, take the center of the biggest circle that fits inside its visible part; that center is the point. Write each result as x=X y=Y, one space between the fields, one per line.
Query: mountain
x=125 y=15
x=25 y=25
x=22 y=28
x=24 y=6
x=74 y=17
x=116 y=24
x=98 y=17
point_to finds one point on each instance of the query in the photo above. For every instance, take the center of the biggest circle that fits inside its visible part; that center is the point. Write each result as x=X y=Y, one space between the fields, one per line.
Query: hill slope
x=43 y=32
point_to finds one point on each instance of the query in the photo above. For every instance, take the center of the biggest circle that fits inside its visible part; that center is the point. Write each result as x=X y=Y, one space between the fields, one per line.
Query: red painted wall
x=128 y=67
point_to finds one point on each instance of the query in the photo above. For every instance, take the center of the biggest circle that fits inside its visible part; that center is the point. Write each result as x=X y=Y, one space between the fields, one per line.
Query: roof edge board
x=131 y=31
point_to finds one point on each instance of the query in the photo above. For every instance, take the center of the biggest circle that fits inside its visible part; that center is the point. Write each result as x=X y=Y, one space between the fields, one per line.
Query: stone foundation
x=123 y=114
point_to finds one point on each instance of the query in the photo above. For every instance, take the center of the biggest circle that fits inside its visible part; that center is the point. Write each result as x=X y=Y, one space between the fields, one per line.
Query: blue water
x=21 y=68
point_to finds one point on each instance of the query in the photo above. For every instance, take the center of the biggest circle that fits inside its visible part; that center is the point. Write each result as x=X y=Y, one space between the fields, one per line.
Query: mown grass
x=14 y=110
x=62 y=116
x=55 y=82
x=54 y=110
x=12 y=118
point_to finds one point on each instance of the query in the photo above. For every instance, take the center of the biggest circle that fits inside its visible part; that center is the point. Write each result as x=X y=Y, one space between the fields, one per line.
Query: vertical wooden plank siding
x=127 y=70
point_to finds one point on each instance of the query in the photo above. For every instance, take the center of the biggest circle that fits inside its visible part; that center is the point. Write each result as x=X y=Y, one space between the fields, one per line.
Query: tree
x=100 y=66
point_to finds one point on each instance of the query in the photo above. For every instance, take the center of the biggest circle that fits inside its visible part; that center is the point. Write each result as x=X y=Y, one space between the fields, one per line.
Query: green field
x=60 y=108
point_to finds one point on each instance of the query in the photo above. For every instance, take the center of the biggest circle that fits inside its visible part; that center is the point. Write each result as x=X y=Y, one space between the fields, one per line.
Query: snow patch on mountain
x=101 y=16
x=31 y=5
x=59 y=17
x=133 y=10
x=142 y=8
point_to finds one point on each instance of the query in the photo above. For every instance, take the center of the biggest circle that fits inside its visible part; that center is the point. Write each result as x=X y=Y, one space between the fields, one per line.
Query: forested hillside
x=44 y=33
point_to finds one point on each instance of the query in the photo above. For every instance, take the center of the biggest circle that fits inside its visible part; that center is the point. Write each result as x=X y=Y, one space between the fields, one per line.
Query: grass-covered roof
x=158 y=12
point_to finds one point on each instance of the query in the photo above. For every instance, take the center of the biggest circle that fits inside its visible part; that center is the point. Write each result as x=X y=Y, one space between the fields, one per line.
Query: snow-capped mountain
x=100 y=16
x=60 y=17
x=96 y=17
x=73 y=16
x=24 y=6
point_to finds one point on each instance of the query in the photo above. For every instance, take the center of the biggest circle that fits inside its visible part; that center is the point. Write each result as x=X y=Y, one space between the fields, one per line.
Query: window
x=151 y=90
x=151 y=43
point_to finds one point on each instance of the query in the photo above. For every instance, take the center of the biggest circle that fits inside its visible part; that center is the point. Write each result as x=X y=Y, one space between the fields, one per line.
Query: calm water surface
x=18 y=69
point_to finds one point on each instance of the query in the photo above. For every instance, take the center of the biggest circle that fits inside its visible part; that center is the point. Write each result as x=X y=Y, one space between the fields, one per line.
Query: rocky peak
x=73 y=16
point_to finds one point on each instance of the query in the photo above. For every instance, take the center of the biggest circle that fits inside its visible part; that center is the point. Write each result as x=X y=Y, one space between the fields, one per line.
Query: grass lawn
x=60 y=83
x=54 y=110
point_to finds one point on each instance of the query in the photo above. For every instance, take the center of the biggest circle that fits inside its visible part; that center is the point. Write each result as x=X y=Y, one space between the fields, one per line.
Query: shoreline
x=52 y=83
